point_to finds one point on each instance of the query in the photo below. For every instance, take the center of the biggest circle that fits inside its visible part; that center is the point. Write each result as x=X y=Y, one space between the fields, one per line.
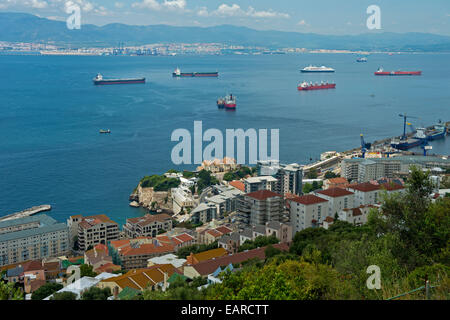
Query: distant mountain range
x=23 y=27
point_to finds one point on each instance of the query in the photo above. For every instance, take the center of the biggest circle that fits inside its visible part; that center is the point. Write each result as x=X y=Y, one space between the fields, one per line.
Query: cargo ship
x=405 y=144
x=317 y=69
x=438 y=132
x=381 y=72
x=361 y=59
x=178 y=74
x=98 y=80
x=230 y=102
x=315 y=86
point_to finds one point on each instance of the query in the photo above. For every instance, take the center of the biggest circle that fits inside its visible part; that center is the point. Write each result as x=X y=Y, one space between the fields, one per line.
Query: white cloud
x=235 y=10
x=39 y=4
x=118 y=5
x=203 y=12
x=179 y=5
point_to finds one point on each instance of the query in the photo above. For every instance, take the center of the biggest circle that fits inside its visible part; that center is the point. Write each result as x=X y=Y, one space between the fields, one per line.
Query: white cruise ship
x=317 y=69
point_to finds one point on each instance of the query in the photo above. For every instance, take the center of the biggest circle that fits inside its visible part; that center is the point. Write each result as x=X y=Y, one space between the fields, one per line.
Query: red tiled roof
x=224 y=230
x=263 y=194
x=308 y=199
x=209 y=266
x=149 y=218
x=328 y=219
x=214 y=233
x=356 y=212
x=392 y=186
x=335 y=192
x=33 y=265
x=184 y=237
x=365 y=187
x=238 y=185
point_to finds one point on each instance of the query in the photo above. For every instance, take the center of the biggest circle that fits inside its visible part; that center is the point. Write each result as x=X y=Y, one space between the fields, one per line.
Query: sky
x=338 y=17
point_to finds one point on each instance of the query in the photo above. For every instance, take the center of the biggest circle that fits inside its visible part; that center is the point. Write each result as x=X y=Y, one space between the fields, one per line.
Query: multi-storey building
x=253 y=184
x=307 y=211
x=147 y=226
x=363 y=170
x=365 y=193
x=338 y=199
x=32 y=238
x=203 y=213
x=257 y=208
x=95 y=230
x=289 y=177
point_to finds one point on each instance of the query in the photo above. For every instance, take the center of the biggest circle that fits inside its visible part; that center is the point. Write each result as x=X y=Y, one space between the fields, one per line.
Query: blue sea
x=51 y=151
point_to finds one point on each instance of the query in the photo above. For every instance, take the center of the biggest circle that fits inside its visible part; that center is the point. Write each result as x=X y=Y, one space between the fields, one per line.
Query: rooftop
x=364 y=187
x=263 y=195
x=238 y=185
x=335 y=192
x=308 y=199
x=210 y=254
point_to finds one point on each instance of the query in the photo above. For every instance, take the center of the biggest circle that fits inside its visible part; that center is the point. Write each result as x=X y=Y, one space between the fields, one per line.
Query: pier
x=27 y=212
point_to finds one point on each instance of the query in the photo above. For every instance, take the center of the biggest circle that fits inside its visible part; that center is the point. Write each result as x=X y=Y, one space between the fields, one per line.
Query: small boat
x=105 y=131
x=361 y=59
x=221 y=102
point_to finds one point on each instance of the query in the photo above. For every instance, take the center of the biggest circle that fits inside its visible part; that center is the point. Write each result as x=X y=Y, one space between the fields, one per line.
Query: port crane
x=364 y=146
x=404 y=116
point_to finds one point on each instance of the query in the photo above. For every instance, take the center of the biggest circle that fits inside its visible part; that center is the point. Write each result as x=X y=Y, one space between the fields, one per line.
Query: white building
x=253 y=184
x=307 y=211
x=357 y=216
x=338 y=199
x=365 y=193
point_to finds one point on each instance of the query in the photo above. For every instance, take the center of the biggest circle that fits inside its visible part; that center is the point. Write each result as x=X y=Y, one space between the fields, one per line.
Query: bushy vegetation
x=182 y=253
x=239 y=174
x=259 y=242
x=309 y=187
x=65 y=295
x=205 y=179
x=9 y=292
x=46 y=290
x=178 y=290
x=159 y=182
x=95 y=293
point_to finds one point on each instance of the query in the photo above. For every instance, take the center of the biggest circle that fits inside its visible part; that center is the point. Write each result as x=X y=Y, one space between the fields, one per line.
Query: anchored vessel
x=317 y=69
x=177 y=73
x=361 y=59
x=230 y=102
x=315 y=86
x=98 y=80
x=105 y=131
x=221 y=103
x=381 y=72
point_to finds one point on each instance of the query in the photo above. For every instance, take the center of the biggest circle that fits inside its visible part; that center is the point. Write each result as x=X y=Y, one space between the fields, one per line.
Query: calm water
x=50 y=115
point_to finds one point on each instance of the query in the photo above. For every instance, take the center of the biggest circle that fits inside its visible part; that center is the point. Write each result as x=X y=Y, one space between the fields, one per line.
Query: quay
x=382 y=146
x=27 y=212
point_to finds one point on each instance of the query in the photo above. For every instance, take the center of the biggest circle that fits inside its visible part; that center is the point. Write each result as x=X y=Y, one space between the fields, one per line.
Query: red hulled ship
x=230 y=102
x=315 y=86
x=381 y=72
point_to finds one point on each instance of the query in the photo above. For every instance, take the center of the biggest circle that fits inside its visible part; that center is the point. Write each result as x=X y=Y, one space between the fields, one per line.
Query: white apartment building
x=365 y=193
x=253 y=184
x=307 y=211
x=337 y=198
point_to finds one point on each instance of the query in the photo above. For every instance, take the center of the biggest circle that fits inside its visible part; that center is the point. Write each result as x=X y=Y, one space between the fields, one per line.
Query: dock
x=27 y=212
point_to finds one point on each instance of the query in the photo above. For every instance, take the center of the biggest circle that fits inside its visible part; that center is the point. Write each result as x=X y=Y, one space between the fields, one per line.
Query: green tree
x=87 y=271
x=9 y=292
x=46 y=290
x=312 y=174
x=330 y=174
x=94 y=293
x=65 y=295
